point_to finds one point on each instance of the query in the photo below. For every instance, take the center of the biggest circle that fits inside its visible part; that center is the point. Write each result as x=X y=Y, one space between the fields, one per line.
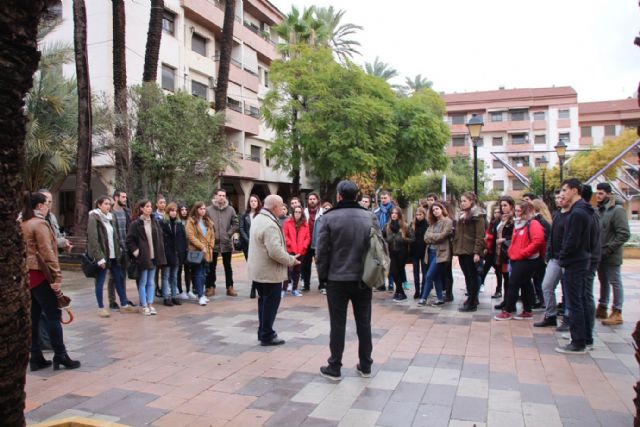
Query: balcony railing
x=252 y=111
x=248 y=157
x=264 y=34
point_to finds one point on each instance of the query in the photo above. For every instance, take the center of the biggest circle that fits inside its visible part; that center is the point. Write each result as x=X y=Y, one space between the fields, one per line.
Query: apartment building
x=520 y=127
x=603 y=120
x=189 y=61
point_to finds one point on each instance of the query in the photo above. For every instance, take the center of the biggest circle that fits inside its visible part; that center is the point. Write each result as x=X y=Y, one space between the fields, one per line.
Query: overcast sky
x=471 y=45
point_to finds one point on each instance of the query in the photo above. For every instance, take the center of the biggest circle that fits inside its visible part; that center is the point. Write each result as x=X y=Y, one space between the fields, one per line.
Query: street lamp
x=474 y=125
x=561 y=150
x=542 y=164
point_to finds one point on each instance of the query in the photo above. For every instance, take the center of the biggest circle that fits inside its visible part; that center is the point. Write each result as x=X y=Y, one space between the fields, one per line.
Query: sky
x=475 y=45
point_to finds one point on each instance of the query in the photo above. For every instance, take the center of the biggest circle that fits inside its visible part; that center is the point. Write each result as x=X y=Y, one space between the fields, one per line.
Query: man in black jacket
x=342 y=242
x=575 y=258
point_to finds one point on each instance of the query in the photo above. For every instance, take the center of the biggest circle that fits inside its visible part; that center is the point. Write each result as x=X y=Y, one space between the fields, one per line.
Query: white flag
x=444 y=187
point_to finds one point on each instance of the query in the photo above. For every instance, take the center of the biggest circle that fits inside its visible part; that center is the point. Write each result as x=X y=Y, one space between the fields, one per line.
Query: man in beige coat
x=268 y=262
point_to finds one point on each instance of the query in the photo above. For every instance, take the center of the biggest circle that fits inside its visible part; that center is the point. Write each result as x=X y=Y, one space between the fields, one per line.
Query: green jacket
x=468 y=238
x=615 y=231
x=97 y=239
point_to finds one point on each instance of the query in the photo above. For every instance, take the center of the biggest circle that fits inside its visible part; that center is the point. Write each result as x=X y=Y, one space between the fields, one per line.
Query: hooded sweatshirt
x=576 y=239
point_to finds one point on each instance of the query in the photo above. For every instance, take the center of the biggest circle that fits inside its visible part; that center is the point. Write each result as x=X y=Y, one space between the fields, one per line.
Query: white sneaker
x=206 y=298
x=153 y=310
x=283 y=294
x=184 y=296
x=191 y=295
x=481 y=288
x=323 y=291
x=202 y=300
x=290 y=287
x=296 y=293
x=146 y=311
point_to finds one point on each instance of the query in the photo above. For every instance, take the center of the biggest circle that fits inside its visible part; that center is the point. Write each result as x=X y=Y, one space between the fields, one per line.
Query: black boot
x=547 y=321
x=65 y=361
x=38 y=362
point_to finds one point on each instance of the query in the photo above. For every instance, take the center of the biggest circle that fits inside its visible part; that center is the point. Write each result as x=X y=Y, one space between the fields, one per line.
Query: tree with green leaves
x=182 y=149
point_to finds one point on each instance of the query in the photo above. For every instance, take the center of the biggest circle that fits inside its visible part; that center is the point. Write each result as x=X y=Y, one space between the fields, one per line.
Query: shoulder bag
x=195 y=257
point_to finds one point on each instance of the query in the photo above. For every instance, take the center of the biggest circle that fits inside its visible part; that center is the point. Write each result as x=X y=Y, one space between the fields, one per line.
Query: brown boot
x=601 y=312
x=614 y=319
x=211 y=292
x=231 y=292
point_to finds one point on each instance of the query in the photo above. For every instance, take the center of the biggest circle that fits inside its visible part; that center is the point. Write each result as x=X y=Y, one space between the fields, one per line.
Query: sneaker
x=202 y=300
x=104 y=312
x=114 y=306
x=422 y=302
x=176 y=301
x=296 y=293
x=497 y=295
x=390 y=288
x=571 y=348
x=564 y=327
x=399 y=297
x=481 y=288
x=184 y=296
x=146 y=311
x=283 y=294
x=191 y=295
x=153 y=310
x=167 y=302
x=128 y=309
x=362 y=372
x=405 y=286
x=290 y=287
x=330 y=373
x=566 y=336
x=499 y=306
x=525 y=315
x=436 y=303
x=206 y=298
x=547 y=321
x=503 y=316
x=306 y=288
x=323 y=291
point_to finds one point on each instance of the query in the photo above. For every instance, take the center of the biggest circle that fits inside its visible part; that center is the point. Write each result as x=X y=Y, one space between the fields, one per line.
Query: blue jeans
x=418 y=263
x=169 y=277
x=118 y=277
x=609 y=276
x=433 y=278
x=198 y=277
x=146 y=286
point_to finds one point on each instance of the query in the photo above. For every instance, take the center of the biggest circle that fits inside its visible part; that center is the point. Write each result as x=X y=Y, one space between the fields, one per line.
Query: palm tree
x=154 y=36
x=83 y=157
x=337 y=33
x=121 y=131
x=19 y=58
x=417 y=83
x=226 y=46
x=299 y=28
x=380 y=69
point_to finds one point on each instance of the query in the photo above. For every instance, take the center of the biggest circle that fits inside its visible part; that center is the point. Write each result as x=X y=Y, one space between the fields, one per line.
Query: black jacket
x=137 y=239
x=175 y=242
x=418 y=246
x=576 y=240
x=554 y=242
x=245 y=229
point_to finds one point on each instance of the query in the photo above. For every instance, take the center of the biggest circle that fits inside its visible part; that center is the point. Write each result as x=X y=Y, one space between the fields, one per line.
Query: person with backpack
x=527 y=247
x=438 y=253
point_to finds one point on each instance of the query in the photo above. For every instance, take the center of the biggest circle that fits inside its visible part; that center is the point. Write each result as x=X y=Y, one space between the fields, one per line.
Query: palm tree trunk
x=154 y=36
x=121 y=131
x=83 y=158
x=226 y=46
x=18 y=61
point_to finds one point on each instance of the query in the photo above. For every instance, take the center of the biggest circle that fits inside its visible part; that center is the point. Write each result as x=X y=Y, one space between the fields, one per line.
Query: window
x=480 y=142
x=537 y=161
x=517 y=185
x=255 y=153
x=585 y=131
x=458 y=119
x=538 y=116
x=459 y=141
x=199 y=44
x=519 y=115
x=540 y=139
x=497 y=164
x=563 y=114
x=497 y=140
x=266 y=78
x=198 y=89
x=519 y=161
x=496 y=117
x=169 y=22
x=234 y=105
x=168 y=78
x=252 y=111
x=498 y=185
x=566 y=137
x=519 y=138
x=610 y=130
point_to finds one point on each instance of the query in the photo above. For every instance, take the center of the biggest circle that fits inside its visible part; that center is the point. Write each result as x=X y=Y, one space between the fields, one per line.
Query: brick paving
x=202 y=366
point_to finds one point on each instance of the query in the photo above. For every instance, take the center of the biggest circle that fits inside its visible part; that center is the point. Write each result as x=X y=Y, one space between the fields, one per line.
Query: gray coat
x=342 y=241
x=225 y=223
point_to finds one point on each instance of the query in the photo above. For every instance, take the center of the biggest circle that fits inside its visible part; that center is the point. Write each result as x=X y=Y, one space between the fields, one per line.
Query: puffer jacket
x=226 y=224
x=298 y=240
x=615 y=231
x=39 y=238
x=469 y=234
x=196 y=241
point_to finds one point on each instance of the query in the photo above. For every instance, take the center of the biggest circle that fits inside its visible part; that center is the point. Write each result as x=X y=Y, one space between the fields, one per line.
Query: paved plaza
x=202 y=366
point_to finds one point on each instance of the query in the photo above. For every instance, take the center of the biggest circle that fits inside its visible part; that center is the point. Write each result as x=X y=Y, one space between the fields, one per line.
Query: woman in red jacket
x=527 y=246
x=298 y=239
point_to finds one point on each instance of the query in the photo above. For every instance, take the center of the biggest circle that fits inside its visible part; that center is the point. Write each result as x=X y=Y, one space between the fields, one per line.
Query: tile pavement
x=201 y=366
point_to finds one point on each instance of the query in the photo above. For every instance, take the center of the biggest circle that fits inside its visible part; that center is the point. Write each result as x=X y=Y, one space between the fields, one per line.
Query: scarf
x=394 y=226
x=384 y=213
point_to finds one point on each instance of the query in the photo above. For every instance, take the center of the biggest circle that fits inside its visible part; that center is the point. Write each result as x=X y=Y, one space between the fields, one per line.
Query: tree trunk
x=154 y=36
x=83 y=158
x=19 y=58
x=121 y=131
x=226 y=46
x=636 y=387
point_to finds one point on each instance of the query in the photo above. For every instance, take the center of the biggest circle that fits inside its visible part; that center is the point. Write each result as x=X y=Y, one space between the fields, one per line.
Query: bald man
x=268 y=262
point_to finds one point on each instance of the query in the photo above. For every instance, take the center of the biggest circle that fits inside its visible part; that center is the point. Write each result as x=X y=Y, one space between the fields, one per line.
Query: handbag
x=195 y=257
x=44 y=268
x=89 y=265
x=132 y=269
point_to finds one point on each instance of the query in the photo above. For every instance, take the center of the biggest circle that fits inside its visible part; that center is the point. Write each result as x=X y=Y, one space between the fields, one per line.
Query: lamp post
x=542 y=164
x=474 y=125
x=561 y=150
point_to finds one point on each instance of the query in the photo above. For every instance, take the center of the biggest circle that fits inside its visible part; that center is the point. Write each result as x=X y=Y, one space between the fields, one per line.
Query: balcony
x=204 y=12
x=253 y=37
x=243 y=77
x=252 y=168
x=236 y=119
x=454 y=151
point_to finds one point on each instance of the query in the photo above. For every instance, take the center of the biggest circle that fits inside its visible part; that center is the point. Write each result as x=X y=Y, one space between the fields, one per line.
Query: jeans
x=448 y=279
x=268 y=303
x=118 y=277
x=419 y=264
x=305 y=268
x=470 y=277
x=169 y=278
x=111 y=288
x=590 y=304
x=146 y=286
x=198 y=273
x=338 y=296
x=433 y=277
x=538 y=277
x=552 y=276
x=489 y=263
x=609 y=276
x=575 y=278
x=294 y=277
x=228 y=271
x=187 y=277
x=520 y=280
x=43 y=299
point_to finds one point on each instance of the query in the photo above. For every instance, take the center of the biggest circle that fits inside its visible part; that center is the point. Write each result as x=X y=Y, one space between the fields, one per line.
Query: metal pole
x=475 y=166
x=561 y=169
x=543 y=189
